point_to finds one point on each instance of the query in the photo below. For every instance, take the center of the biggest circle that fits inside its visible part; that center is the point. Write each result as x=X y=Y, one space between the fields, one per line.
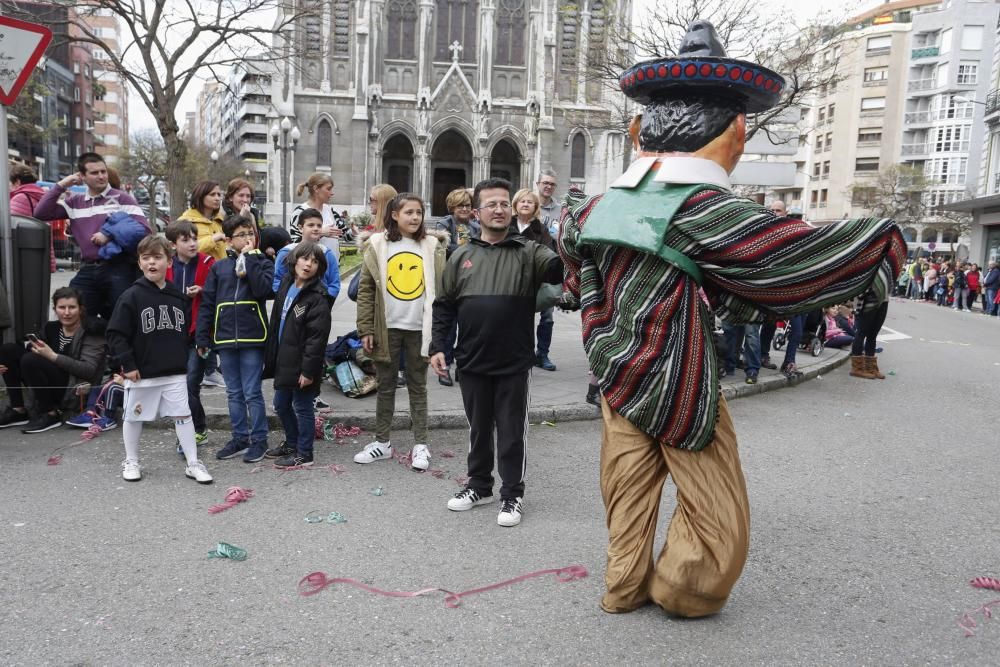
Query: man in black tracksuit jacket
x=489 y=287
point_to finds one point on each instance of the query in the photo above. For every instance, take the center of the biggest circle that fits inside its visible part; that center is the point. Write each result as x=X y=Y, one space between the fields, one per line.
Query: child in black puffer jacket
x=300 y=327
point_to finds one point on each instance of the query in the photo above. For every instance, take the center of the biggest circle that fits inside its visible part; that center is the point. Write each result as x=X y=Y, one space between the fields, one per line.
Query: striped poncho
x=646 y=332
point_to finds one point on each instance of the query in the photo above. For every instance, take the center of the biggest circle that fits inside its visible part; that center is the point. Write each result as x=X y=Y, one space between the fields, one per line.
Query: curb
x=452 y=419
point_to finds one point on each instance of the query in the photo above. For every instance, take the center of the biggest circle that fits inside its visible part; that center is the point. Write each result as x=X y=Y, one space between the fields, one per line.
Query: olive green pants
x=416 y=385
x=708 y=537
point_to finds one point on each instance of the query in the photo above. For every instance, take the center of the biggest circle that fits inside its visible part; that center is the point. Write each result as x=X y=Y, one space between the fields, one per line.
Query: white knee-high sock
x=185 y=434
x=131 y=432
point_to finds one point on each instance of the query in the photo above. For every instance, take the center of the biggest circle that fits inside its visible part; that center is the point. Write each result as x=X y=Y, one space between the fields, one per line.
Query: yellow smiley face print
x=405 y=276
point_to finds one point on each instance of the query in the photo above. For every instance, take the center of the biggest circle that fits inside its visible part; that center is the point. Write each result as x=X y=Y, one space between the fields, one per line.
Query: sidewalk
x=555 y=396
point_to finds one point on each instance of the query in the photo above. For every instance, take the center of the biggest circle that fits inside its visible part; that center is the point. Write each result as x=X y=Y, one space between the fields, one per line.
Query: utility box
x=31 y=275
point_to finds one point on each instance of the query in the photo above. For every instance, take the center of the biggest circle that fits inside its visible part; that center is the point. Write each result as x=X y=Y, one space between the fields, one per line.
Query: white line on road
x=892 y=335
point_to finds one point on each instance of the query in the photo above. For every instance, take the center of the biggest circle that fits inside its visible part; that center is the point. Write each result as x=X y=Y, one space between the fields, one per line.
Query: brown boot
x=873 y=367
x=859 y=368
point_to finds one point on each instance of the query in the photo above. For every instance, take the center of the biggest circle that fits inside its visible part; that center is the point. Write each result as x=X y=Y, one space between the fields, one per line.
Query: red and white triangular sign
x=21 y=47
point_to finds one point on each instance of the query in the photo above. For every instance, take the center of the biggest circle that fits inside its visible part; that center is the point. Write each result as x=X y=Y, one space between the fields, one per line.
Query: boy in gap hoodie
x=232 y=319
x=148 y=337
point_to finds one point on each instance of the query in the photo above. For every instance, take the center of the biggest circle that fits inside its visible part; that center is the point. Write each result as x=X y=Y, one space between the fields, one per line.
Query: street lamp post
x=285 y=137
x=214 y=157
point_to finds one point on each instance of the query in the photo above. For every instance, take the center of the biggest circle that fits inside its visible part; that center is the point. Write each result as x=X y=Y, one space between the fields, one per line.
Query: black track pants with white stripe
x=497 y=403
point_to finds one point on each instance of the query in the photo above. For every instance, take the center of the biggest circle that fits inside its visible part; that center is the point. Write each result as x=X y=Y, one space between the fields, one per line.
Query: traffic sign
x=931 y=245
x=21 y=47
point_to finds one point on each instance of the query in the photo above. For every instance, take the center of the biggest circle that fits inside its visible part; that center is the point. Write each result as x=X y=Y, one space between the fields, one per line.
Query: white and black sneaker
x=511 y=510
x=320 y=404
x=420 y=457
x=466 y=499
x=374 y=451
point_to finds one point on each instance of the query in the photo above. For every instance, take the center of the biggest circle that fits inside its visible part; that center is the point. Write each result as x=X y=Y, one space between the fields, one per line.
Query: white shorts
x=148 y=399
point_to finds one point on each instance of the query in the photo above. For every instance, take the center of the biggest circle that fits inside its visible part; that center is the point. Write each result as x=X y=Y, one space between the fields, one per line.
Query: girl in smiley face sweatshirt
x=400 y=277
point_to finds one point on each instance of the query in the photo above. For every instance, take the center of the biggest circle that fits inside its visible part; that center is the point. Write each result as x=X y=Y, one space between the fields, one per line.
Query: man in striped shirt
x=636 y=257
x=100 y=282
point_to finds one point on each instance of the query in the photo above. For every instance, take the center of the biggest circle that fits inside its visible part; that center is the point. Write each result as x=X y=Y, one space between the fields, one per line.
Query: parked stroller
x=813 y=333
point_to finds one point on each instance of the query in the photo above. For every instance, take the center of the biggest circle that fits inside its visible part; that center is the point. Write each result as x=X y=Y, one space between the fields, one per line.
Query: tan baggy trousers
x=708 y=537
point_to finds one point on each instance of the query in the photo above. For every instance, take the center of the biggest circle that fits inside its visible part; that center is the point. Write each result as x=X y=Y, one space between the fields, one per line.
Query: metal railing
x=920 y=84
x=913 y=117
x=993 y=101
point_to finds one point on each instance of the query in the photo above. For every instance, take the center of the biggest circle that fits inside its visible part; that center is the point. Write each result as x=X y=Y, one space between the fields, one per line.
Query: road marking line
x=894 y=335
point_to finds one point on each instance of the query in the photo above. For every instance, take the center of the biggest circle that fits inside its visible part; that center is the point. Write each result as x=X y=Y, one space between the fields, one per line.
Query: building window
x=816 y=169
x=76 y=93
x=822 y=197
x=862 y=196
x=819 y=143
x=945 y=41
x=829 y=112
x=402 y=29
x=324 y=144
x=952 y=139
x=511 y=24
x=880 y=43
x=76 y=68
x=578 y=157
x=342 y=28
x=569 y=25
x=821 y=116
x=972 y=38
x=873 y=74
x=813 y=198
x=947 y=171
x=866 y=164
x=869 y=135
x=928 y=235
x=910 y=235
x=598 y=32
x=312 y=27
x=826 y=168
x=829 y=141
x=456 y=22
x=873 y=104
x=949 y=235
x=968 y=73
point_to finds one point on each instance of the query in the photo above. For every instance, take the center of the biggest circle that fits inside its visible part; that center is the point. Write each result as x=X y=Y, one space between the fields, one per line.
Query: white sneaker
x=131 y=471
x=420 y=457
x=198 y=473
x=466 y=499
x=213 y=380
x=511 y=510
x=374 y=451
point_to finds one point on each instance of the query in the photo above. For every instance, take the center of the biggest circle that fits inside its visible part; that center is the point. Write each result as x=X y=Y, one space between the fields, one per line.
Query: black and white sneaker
x=374 y=451
x=44 y=422
x=511 y=510
x=281 y=451
x=320 y=404
x=295 y=461
x=11 y=417
x=466 y=499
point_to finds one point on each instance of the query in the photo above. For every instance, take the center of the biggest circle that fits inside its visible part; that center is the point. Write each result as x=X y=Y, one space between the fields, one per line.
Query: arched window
x=578 y=156
x=456 y=22
x=508 y=47
x=949 y=236
x=401 y=16
x=910 y=235
x=929 y=235
x=324 y=144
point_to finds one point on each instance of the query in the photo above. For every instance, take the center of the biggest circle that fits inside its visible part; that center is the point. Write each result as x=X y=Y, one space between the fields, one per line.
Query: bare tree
x=896 y=192
x=145 y=163
x=749 y=31
x=170 y=45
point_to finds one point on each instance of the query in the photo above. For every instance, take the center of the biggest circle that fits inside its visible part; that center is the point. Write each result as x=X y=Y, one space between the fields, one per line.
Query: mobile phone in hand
x=33 y=338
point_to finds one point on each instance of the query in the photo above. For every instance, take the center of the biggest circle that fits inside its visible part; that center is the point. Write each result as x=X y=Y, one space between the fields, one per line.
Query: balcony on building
x=915 y=118
x=925 y=52
x=992 y=106
x=915 y=151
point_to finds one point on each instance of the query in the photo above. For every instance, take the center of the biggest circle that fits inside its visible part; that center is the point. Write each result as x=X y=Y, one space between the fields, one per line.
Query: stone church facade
x=429 y=96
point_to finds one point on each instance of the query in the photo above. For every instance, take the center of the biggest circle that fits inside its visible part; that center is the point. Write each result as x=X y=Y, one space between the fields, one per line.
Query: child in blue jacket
x=232 y=319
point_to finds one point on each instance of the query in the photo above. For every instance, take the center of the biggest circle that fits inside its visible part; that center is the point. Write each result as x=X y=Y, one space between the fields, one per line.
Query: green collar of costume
x=638 y=218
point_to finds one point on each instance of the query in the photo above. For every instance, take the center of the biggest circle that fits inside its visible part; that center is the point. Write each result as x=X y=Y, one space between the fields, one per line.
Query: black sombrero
x=701 y=64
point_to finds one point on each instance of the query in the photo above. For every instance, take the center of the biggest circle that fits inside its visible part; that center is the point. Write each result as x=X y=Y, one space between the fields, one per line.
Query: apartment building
x=110 y=93
x=856 y=123
x=984 y=207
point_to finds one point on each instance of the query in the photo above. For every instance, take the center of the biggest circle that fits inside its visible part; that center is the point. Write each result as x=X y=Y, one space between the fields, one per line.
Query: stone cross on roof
x=455 y=49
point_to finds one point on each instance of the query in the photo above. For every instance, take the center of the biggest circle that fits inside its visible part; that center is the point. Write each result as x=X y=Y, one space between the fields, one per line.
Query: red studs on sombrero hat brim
x=759 y=86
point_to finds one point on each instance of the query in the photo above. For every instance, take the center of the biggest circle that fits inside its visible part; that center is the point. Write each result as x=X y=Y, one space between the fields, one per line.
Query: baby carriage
x=813 y=333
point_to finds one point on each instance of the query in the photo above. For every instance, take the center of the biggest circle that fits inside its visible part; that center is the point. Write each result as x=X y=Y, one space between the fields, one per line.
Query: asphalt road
x=873 y=504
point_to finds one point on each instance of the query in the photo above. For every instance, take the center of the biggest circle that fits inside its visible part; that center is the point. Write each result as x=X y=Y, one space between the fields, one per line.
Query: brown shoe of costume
x=873 y=368
x=859 y=368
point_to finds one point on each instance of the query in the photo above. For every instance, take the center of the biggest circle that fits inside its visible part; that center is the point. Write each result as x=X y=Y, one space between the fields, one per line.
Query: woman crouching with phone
x=68 y=353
